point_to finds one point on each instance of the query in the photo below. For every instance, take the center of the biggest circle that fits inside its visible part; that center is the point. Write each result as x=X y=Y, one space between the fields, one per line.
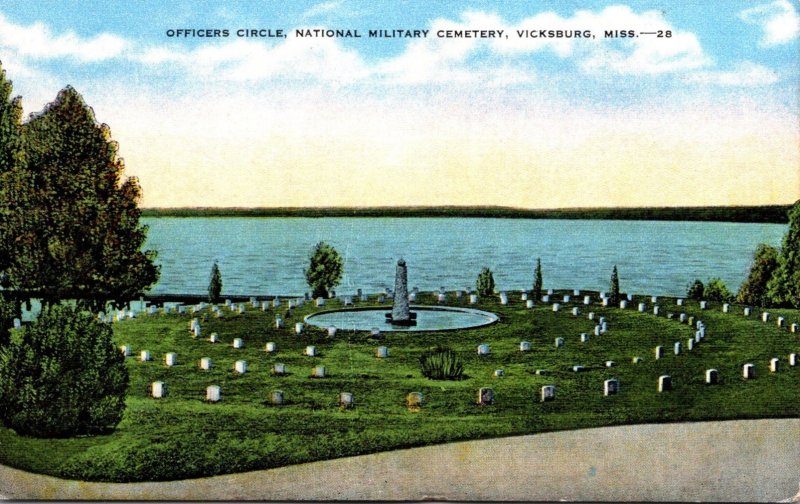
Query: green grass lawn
x=181 y=435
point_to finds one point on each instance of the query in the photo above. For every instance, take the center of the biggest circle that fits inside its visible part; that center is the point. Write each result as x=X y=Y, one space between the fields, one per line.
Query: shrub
x=62 y=376
x=441 y=363
x=537 y=280
x=696 y=291
x=324 y=270
x=613 y=297
x=753 y=290
x=215 y=285
x=485 y=283
x=716 y=290
x=8 y=311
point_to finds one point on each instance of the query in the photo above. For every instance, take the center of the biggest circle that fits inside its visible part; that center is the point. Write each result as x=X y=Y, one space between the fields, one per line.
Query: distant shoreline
x=765 y=214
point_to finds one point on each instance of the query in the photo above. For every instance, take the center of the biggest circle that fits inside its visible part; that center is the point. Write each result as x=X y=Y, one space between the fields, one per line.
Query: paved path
x=746 y=460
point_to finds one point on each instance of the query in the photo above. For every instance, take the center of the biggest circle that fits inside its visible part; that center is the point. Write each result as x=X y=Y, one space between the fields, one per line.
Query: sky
x=706 y=114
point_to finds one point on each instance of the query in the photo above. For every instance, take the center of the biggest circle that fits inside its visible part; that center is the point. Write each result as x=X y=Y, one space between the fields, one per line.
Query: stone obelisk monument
x=401 y=313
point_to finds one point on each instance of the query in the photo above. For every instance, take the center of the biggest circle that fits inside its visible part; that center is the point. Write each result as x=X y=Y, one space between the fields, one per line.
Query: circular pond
x=429 y=318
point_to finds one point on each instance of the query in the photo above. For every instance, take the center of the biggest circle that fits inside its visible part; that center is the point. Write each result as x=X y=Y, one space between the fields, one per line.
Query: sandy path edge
x=739 y=460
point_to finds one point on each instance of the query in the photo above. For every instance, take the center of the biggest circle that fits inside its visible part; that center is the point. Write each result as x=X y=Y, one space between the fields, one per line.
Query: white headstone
x=556 y=307
x=549 y=292
x=598 y=330
x=241 y=308
x=320 y=301
x=703 y=305
x=298 y=328
x=276 y=397
x=577 y=369
x=677 y=348
x=576 y=292
x=792 y=359
x=212 y=393
x=748 y=371
x=548 y=393
x=540 y=372
x=747 y=310
x=690 y=344
x=375 y=332
x=240 y=366
x=576 y=311
x=610 y=363
x=381 y=352
x=682 y=317
x=726 y=308
x=279 y=369
x=623 y=304
x=499 y=373
x=197 y=331
x=781 y=321
x=664 y=383
x=642 y=307
x=545 y=298
x=525 y=346
x=659 y=352
x=765 y=317
x=793 y=328
x=610 y=387
x=192 y=323
x=412 y=296
x=214 y=338
x=311 y=351
x=774 y=364
x=331 y=331
x=144 y=356
x=529 y=303
x=656 y=310
x=345 y=400
x=559 y=342
x=473 y=298
x=584 y=337
x=270 y=347
x=503 y=298
x=126 y=350
x=605 y=301
x=483 y=349
x=205 y=363
x=157 y=389
x=590 y=316
x=348 y=300
x=712 y=376
x=679 y=302
x=566 y=298
x=238 y=343
x=170 y=359
x=636 y=360
x=587 y=300
x=264 y=305
x=318 y=372
x=654 y=299
x=414 y=401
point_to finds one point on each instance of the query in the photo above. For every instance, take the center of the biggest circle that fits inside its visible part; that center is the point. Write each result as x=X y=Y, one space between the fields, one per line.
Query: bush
x=441 y=363
x=485 y=283
x=717 y=291
x=696 y=291
x=62 y=376
x=324 y=270
x=8 y=311
x=753 y=290
x=215 y=285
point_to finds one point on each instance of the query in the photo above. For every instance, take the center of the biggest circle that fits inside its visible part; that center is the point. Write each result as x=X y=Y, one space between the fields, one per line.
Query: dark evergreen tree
x=696 y=291
x=753 y=290
x=783 y=288
x=537 y=280
x=613 y=296
x=324 y=270
x=63 y=376
x=716 y=290
x=485 y=282
x=215 y=285
x=81 y=237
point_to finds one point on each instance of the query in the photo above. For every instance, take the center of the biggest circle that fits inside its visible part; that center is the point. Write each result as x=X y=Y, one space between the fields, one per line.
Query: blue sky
x=518 y=110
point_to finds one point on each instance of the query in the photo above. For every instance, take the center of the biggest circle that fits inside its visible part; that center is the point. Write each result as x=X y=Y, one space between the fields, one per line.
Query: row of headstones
x=170 y=358
x=345 y=400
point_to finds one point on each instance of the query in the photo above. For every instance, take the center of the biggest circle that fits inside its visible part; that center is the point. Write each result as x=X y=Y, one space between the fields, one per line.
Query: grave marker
x=279 y=369
x=311 y=351
x=298 y=328
x=126 y=350
x=559 y=342
x=529 y=303
x=276 y=397
x=659 y=352
x=726 y=308
x=575 y=311
x=382 y=352
x=318 y=372
x=157 y=389
x=270 y=347
x=499 y=373
x=524 y=346
x=331 y=331
x=610 y=363
x=240 y=366
x=238 y=343
x=556 y=307
x=483 y=349
x=610 y=387
x=345 y=400
x=577 y=368
x=712 y=376
x=765 y=317
x=170 y=359
x=584 y=338
x=213 y=338
x=548 y=393
x=485 y=396
x=587 y=300
x=414 y=401
x=747 y=311
x=473 y=298
x=748 y=371
x=664 y=383
x=792 y=359
x=677 y=348
x=144 y=356
x=205 y=363
x=774 y=365
x=212 y=393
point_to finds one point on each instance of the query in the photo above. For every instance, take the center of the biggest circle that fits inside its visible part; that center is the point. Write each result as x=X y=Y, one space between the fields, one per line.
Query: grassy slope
x=182 y=436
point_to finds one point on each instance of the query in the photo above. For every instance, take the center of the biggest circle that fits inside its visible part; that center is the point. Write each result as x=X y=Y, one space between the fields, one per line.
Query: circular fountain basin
x=429 y=318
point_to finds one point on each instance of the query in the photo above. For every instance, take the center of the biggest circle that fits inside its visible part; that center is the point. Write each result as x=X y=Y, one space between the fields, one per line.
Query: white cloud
x=746 y=74
x=779 y=20
x=38 y=42
x=322 y=9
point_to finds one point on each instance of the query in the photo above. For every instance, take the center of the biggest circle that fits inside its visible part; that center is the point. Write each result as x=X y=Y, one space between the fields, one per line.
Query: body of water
x=266 y=256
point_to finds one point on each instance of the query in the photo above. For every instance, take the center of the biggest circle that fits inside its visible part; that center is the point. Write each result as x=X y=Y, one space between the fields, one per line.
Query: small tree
x=613 y=297
x=8 y=311
x=715 y=290
x=324 y=271
x=62 y=376
x=537 y=280
x=753 y=290
x=696 y=291
x=783 y=287
x=485 y=282
x=215 y=284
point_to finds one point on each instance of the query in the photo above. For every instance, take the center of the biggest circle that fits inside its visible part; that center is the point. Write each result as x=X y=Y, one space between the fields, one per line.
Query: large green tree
x=753 y=290
x=325 y=268
x=80 y=237
x=783 y=287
